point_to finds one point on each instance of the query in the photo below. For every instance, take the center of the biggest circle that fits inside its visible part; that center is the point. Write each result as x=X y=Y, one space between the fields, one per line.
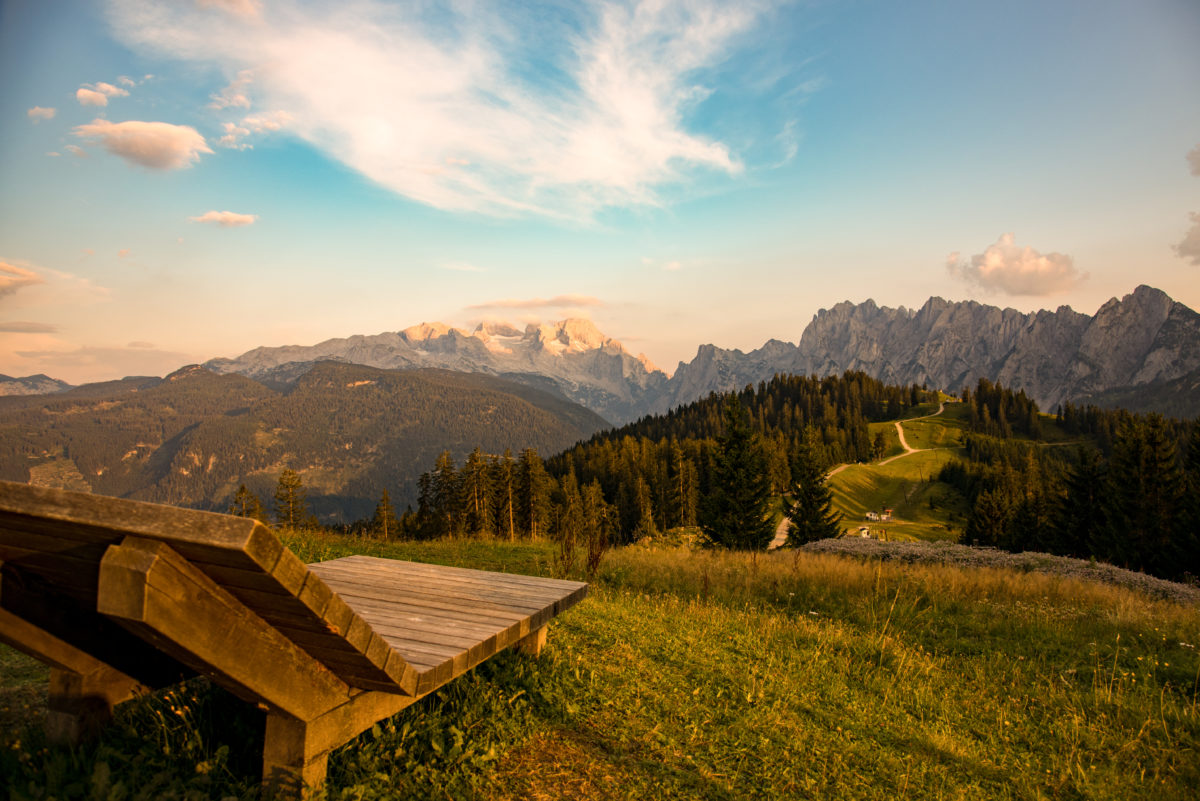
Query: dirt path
x=782 y=529
x=904 y=442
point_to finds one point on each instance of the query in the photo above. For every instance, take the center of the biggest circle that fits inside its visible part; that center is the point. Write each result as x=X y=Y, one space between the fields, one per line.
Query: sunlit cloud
x=558 y=301
x=125 y=80
x=225 y=219
x=14 y=277
x=97 y=94
x=1013 y=270
x=155 y=145
x=441 y=106
x=233 y=136
x=1189 y=248
x=234 y=95
x=123 y=253
x=39 y=113
x=23 y=327
x=76 y=151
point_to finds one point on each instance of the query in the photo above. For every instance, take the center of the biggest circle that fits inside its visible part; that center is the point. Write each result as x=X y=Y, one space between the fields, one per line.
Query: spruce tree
x=734 y=512
x=246 y=504
x=384 y=523
x=1080 y=516
x=533 y=495
x=291 y=507
x=810 y=515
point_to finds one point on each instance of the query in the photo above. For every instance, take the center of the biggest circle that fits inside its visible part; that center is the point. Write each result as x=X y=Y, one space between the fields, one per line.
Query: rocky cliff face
x=1142 y=338
x=575 y=358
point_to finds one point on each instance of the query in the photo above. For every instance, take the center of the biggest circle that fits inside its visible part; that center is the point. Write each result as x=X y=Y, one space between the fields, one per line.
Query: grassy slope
x=703 y=675
x=922 y=509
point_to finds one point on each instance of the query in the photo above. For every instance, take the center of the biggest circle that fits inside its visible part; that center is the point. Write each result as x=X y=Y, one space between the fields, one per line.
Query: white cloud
x=558 y=301
x=14 y=277
x=1189 y=248
x=234 y=95
x=442 y=105
x=233 y=137
x=270 y=121
x=76 y=151
x=1193 y=159
x=225 y=219
x=97 y=94
x=156 y=145
x=89 y=97
x=39 y=113
x=1015 y=270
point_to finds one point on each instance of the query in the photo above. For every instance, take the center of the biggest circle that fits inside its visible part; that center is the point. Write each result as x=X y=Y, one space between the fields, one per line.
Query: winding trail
x=782 y=529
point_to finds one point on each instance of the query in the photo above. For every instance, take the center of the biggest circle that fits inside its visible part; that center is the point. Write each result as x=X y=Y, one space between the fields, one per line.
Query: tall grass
x=714 y=675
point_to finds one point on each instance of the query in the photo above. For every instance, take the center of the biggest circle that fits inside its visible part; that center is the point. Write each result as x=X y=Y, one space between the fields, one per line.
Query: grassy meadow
x=693 y=674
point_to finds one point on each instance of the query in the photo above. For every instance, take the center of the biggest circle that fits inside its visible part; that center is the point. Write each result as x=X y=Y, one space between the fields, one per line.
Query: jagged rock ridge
x=571 y=356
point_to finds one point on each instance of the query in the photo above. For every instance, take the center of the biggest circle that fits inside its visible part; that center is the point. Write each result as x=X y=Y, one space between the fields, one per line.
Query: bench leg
x=294 y=762
x=533 y=642
x=80 y=704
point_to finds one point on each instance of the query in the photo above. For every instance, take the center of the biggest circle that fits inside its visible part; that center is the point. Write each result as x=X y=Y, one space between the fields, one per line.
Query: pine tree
x=1079 y=517
x=734 y=513
x=811 y=516
x=291 y=508
x=246 y=504
x=384 y=523
x=533 y=494
x=445 y=496
x=475 y=481
x=504 y=486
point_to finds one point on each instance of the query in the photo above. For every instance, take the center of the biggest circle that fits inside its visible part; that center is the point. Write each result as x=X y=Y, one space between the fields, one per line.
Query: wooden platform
x=442 y=620
x=120 y=596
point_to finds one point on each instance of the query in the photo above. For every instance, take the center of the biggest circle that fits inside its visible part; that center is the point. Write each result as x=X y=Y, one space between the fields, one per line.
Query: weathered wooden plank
x=444 y=590
x=527 y=587
x=38 y=602
x=154 y=590
x=541 y=581
x=405 y=614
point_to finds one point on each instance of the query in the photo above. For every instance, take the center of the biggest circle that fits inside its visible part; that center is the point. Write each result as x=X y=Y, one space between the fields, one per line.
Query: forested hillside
x=349 y=431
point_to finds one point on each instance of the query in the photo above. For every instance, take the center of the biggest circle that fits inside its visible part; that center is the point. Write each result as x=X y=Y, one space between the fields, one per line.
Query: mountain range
x=1141 y=351
x=1143 y=341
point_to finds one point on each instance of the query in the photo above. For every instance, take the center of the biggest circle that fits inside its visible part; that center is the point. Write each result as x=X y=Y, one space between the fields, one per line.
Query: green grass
x=922 y=509
x=944 y=431
x=726 y=676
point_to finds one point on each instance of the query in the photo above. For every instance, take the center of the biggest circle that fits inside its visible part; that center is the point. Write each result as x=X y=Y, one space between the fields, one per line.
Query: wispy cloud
x=225 y=219
x=39 y=113
x=14 y=277
x=123 y=253
x=76 y=151
x=96 y=363
x=1189 y=248
x=1014 y=270
x=23 y=327
x=155 y=145
x=1193 y=160
x=234 y=95
x=236 y=8
x=556 y=302
x=442 y=105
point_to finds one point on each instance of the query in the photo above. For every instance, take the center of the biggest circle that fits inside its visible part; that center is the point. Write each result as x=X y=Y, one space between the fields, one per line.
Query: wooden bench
x=120 y=597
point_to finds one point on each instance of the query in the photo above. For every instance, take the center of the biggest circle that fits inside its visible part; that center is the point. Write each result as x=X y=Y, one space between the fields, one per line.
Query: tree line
x=1130 y=495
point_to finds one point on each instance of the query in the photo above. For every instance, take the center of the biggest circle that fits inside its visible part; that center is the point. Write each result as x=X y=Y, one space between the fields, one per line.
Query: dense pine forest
x=1086 y=482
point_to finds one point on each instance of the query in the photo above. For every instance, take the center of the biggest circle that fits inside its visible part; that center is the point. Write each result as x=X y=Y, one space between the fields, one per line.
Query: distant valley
x=190 y=439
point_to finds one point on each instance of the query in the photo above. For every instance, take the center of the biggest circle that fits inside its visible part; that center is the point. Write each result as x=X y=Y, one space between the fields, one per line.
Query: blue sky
x=186 y=180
